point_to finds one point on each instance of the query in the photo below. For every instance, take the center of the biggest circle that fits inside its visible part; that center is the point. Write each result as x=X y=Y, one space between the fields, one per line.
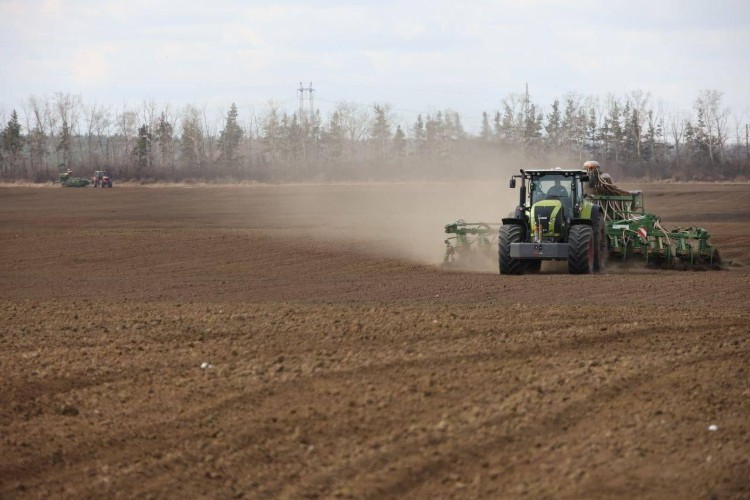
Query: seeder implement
x=633 y=233
x=66 y=179
x=643 y=237
x=469 y=241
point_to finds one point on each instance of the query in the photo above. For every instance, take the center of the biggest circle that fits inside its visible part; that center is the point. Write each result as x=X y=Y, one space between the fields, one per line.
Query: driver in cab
x=557 y=191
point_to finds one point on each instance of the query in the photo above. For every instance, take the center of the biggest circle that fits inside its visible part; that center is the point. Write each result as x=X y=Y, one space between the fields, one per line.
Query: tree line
x=633 y=136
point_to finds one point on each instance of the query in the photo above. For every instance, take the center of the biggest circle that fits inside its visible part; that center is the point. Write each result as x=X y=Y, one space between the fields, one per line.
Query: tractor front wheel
x=509 y=233
x=581 y=249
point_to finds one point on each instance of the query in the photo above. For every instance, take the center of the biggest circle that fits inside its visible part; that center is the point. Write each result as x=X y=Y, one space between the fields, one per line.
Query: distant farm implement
x=578 y=216
x=66 y=179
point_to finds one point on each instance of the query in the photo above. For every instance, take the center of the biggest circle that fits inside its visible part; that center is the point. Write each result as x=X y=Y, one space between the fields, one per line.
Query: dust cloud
x=404 y=220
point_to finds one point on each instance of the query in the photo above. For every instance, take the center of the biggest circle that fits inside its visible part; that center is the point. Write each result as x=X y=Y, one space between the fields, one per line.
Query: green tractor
x=554 y=220
x=582 y=217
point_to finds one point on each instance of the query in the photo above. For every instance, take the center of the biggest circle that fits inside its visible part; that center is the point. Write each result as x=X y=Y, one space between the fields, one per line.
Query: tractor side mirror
x=512 y=184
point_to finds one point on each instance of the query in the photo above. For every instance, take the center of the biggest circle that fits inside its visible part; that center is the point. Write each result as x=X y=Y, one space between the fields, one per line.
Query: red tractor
x=101 y=178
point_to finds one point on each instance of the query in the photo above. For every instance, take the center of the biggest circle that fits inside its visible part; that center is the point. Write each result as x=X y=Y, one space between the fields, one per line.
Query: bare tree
x=678 y=121
x=126 y=129
x=639 y=101
x=97 y=120
x=713 y=122
x=192 y=152
x=354 y=120
x=512 y=124
x=210 y=128
x=36 y=125
x=380 y=129
x=68 y=108
x=164 y=139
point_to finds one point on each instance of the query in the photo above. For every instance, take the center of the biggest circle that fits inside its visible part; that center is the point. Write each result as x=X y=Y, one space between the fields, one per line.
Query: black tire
x=581 y=249
x=509 y=233
x=601 y=250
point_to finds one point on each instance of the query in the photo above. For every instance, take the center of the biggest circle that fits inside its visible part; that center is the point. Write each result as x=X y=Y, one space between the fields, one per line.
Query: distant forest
x=632 y=136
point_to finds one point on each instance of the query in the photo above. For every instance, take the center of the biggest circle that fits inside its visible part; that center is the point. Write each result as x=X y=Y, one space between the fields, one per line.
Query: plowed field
x=302 y=341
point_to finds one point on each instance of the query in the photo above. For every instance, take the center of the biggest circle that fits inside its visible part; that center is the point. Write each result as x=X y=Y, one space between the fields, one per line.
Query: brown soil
x=301 y=341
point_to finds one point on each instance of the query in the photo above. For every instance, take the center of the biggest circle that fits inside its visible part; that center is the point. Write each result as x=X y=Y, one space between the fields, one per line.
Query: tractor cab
x=552 y=187
x=552 y=202
x=550 y=199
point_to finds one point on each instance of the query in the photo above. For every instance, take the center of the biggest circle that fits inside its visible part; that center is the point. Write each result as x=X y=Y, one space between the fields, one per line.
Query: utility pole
x=526 y=103
x=310 y=99
x=747 y=146
x=310 y=95
x=524 y=125
x=301 y=97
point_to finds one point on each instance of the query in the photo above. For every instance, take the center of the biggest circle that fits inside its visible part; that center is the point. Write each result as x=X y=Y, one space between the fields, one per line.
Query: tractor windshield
x=552 y=187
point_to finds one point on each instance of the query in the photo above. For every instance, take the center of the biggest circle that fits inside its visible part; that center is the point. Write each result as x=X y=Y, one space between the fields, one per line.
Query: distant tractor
x=554 y=220
x=102 y=178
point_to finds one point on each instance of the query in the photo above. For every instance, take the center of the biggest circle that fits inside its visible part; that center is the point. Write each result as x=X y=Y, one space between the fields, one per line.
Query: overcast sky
x=419 y=56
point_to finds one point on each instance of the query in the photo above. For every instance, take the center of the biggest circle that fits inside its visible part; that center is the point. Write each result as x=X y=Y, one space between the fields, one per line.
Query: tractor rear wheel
x=581 y=249
x=601 y=252
x=509 y=233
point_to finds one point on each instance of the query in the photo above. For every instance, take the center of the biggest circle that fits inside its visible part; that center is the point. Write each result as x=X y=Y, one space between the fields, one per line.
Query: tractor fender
x=586 y=222
x=588 y=208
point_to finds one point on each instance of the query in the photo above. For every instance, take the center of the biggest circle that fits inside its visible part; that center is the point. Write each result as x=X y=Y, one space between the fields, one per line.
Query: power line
x=464 y=117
